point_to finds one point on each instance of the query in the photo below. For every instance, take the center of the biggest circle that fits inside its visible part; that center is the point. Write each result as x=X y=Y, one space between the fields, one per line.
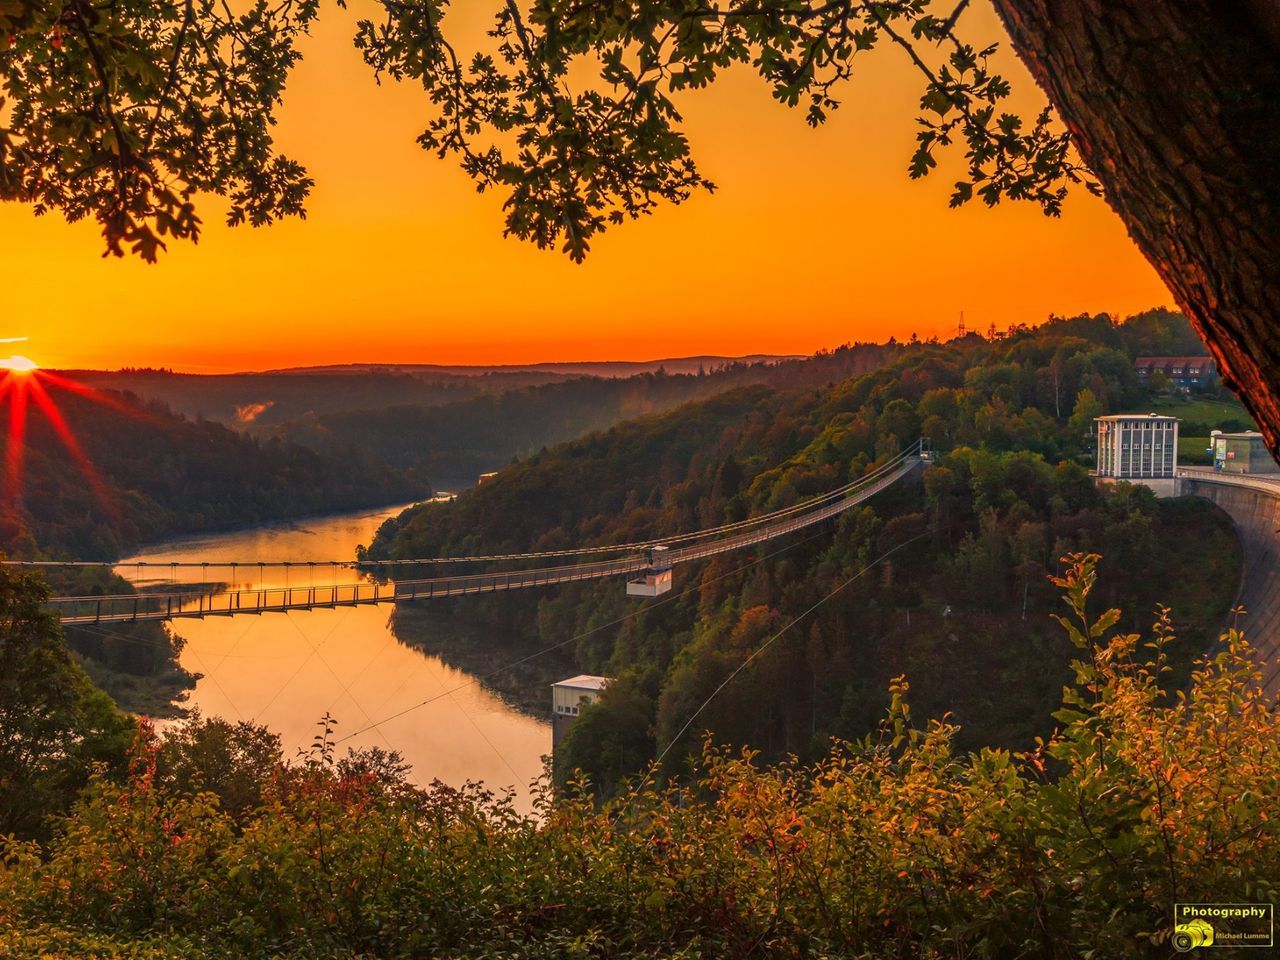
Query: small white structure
x=486 y=477
x=654 y=581
x=568 y=697
x=1139 y=448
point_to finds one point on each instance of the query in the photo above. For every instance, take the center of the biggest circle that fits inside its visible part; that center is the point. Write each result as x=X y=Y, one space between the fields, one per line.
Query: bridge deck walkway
x=211 y=601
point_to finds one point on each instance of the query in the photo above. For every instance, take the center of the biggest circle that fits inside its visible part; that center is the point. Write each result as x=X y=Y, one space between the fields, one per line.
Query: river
x=287 y=670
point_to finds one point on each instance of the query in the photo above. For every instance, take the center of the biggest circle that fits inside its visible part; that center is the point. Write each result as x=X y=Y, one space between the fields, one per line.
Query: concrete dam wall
x=1254 y=504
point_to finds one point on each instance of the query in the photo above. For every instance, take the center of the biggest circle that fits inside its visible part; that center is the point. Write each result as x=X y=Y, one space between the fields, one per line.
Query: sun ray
x=69 y=440
x=97 y=396
x=23 y=385
x=15 y=386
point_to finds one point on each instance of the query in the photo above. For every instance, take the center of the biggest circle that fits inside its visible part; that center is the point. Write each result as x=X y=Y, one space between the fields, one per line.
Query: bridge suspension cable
x=913 y=450
x=630 y=615
x=210 y=599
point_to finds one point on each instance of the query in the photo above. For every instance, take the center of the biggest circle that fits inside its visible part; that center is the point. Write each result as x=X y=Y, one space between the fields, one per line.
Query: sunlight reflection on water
x=287 y=670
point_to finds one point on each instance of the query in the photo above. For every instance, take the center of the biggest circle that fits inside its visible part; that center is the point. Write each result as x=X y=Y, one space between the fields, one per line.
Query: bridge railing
x=206 y=601
x=696 y=552
x=1268 y=483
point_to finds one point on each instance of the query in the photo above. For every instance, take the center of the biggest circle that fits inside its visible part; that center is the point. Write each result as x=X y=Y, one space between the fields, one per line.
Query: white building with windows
x=1139 y=448
x=568 y=697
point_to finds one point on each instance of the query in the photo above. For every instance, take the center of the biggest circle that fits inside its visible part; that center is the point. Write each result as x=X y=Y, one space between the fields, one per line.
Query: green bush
x=895 y=846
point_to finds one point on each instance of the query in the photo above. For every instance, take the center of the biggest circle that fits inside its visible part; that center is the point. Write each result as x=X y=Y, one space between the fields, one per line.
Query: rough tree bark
x=1175 y=106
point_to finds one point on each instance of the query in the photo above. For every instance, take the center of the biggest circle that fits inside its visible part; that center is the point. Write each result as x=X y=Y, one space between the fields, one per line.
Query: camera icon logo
x=1194 y=933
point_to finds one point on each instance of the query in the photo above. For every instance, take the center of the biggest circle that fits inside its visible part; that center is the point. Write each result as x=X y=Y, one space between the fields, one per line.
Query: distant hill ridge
x=591 y=368
x=272 y=398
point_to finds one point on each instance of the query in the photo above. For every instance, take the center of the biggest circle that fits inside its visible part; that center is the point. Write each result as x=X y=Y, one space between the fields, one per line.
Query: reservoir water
x=287 y=670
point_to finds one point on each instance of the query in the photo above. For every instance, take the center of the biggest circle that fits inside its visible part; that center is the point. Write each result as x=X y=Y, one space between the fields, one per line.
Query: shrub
x=895 y=846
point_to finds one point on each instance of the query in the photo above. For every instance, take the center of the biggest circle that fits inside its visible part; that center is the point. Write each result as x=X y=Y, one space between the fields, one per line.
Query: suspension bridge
x=648 y=564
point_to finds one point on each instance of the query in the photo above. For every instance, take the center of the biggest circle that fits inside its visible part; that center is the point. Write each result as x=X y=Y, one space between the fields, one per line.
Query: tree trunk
x=1175 y=107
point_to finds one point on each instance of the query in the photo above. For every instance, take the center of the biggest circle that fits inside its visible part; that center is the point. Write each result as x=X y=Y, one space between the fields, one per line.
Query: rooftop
x=1242 y=435
x=1166 y=361
x=584 y=681
x=1135 y=416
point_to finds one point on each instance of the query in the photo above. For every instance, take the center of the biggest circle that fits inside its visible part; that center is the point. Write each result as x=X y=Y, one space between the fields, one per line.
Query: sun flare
x=24 y=387
x=17 y=364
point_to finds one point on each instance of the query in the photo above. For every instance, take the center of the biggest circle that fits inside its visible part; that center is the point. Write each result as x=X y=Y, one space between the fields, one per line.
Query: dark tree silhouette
x=1175 y=107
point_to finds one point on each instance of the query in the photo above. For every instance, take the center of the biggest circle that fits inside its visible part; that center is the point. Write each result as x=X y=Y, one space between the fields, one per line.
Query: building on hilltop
x=1139 y=448
x=1242 y=453
x=568 y=697
x=1184 y=372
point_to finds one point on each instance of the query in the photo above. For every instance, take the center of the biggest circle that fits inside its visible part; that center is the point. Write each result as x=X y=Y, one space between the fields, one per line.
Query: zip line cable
x=301 y=666
x=140 y=641
x=387 y=644
x=762 y=648
x=214 y=680
x=483 y=736
x=346 y=688
x=586 y=633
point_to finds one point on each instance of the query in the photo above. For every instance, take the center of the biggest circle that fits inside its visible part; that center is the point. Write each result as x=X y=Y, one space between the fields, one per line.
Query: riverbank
x=418 y=687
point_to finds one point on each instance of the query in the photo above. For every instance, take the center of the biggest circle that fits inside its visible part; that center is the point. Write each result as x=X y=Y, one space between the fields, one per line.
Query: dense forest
x=139 y=473
x=146 y=474
x=454 y=442
x=975 y=542
x=272 y=398
x=450 y=425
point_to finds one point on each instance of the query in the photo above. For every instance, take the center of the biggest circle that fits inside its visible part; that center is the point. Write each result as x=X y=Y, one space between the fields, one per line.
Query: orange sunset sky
x=814 y=238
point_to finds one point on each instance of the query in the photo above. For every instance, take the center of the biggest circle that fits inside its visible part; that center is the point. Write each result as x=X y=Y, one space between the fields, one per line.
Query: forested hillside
x=979 y=536
x=456 y=441
x=140 y=473
x=146 y=474
x=897 y=840
x=270 y=399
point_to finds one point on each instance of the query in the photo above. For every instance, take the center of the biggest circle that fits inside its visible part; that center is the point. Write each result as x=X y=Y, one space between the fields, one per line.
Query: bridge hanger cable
x=843 y=490
x=151 y=604
x=834 y=494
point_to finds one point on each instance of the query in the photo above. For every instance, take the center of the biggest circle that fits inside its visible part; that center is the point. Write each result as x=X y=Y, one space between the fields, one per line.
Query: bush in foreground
x=896 y=846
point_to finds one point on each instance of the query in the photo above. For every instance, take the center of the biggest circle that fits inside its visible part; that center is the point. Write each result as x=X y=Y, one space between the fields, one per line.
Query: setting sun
x=16 y=364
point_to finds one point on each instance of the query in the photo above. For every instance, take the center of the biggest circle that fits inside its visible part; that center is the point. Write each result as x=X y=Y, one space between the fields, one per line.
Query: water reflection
x=287 y=670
